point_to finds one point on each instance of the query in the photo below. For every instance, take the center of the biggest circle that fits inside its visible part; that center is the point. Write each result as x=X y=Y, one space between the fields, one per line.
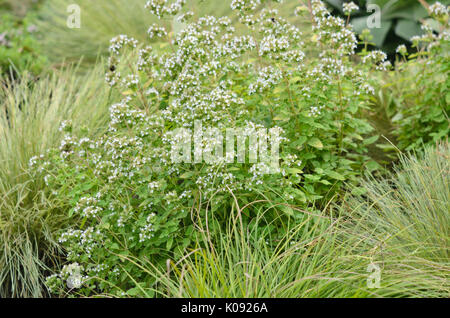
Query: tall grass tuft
x=309 y=261
x=100 y=22
x=400 y=228
x=406 y=220
x=30 y=115
x=313 y=258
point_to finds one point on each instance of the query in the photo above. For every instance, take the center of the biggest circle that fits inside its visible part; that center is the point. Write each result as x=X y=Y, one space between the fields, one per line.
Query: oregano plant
x=127 y=195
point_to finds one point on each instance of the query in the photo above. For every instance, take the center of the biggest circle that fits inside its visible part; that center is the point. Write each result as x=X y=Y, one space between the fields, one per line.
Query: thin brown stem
x=425 y=4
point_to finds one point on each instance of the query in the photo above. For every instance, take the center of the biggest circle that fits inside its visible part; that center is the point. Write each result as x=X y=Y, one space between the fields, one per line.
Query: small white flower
x=350 y=7
x=401 y=49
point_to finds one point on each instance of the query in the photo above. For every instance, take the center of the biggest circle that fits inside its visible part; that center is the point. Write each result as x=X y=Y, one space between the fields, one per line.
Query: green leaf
x=371 y=140
x=169 y=243
x=186 y=242
x=335 y=175
x=294 y=170
x=299 y=141
x=319 y=170
x=372 y=165
x=288 y=210
x=300 y=195
x=337 y=4
x=114 y=246
x=316 y=143
x=379 y=34
x=406 y=29
x=187 y=175
x=282 y=117
x=83 y=222
x=436 y=26
x=133 y=291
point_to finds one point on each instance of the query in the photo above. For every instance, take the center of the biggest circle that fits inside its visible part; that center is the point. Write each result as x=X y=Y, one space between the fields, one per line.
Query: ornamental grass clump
x=99 y=22
x=404 y=220
x=30 y=216
x=133 y=199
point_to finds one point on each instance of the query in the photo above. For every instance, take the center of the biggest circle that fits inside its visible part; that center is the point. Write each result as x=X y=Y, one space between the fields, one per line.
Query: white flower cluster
x=244 y=5
x=88 y=207
x=72 y=273
x=401 y=49
x=315 y=111
x=161 y=8
x=272 y=44
x=67 y=146
x=349 y=7
x=34 y=160
x=368 y=89
x=267 y=77
x=333 y=31
x=156 y=31
x=65 y=125
x=131 y=81
x=438 y=10
x=117 y=43
x=147 y=231
x=85 y=241
x=378 y=59
x=183 y=18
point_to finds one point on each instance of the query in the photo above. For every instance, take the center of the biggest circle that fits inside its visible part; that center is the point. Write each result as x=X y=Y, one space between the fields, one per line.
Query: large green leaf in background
x=399 y=18
x=379 y=34
x=406 y=29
